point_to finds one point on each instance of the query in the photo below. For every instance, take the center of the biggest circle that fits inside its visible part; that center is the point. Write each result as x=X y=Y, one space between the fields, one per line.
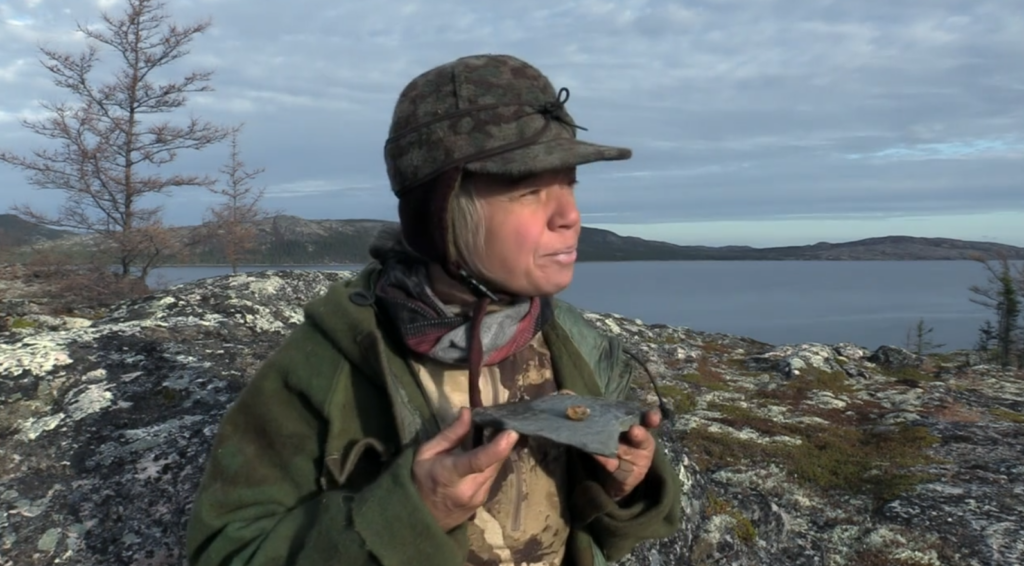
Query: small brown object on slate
x=577 y=412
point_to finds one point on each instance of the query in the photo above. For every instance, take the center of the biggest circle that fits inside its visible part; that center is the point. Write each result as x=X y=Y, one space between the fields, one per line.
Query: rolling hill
x=16 y=231
x=290 y=240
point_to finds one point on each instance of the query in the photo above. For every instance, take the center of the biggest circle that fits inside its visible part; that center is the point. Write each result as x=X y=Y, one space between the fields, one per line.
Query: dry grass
x=70 y=286
x=1007 y=415
x=706 y=375
x=953 y=413
x=797 y=390
x=714 y=348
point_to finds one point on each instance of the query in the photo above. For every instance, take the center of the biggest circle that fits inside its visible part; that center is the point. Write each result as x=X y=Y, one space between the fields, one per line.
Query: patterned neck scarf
x=444 y=321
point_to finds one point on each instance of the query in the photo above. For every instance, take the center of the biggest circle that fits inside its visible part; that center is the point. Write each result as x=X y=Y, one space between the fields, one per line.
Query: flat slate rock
x=546 y=417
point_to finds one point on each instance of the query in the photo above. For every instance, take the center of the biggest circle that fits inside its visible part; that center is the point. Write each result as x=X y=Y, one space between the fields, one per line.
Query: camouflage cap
x=489 y=114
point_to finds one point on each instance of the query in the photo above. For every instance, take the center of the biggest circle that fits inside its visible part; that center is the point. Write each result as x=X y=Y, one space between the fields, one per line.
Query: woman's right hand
x=454 y=485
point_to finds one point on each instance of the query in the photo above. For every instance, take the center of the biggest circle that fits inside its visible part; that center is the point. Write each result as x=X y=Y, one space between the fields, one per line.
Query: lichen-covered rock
x=106 y=426
x=805 y=454
x=895 y=358
x=789 y=360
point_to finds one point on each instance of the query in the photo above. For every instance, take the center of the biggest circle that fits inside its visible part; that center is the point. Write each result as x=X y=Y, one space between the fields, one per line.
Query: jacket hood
x=346 y=316
x=389 y=245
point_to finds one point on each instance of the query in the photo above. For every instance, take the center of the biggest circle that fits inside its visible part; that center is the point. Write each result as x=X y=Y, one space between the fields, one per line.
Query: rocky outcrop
x=805 y=454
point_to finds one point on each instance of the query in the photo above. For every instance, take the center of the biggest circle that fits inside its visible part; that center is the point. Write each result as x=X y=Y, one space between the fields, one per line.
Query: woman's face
x=531 y=230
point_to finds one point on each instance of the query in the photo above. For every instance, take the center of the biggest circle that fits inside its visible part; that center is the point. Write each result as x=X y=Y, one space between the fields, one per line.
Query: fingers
x=487 y=457
x=639 y=438
x=652 y=418
x=607 y=463
x=637 y=445
x=623 y=473
x=634 y=451
x=448 y=438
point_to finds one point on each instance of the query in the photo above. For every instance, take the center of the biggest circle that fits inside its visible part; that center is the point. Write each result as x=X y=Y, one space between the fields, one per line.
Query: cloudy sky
x=757 y=122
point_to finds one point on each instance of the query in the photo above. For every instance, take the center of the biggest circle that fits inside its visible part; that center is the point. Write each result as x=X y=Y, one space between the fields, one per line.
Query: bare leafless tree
x=231 y=224
x=6 y=246
x=1002 y=295
x=107 y=158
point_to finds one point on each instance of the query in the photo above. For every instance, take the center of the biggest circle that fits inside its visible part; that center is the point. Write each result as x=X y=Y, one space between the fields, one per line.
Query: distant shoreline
x=681 y=260
x=340 y=242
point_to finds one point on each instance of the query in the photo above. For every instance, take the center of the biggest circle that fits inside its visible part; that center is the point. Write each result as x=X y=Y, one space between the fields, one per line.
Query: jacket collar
x=346 y=316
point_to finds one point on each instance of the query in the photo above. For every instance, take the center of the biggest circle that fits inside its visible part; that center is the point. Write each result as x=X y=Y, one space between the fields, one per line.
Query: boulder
x=892 y=357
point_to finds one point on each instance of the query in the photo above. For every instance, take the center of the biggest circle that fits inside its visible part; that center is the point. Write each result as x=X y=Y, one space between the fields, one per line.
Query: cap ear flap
x=423 y=212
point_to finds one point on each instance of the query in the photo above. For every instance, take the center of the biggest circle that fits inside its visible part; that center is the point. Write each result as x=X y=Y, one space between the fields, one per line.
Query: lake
x=869 y=303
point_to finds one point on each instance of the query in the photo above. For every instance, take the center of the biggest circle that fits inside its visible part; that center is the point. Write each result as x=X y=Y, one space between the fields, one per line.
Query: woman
x=353 y=442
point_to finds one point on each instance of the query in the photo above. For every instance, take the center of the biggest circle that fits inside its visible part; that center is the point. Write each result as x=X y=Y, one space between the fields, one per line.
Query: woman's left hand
x=636 y=451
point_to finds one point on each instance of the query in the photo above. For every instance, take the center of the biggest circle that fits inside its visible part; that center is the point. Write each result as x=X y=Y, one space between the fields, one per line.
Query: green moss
x=946 y=357
x=668 y=339
x=874 y=463
x=833 y=458
x=713 y=451
x=21 y=323
x=682 y=400
x=169 y=395
x=1006 y=415
x=743 y=528
x=912 y=374
x=814 y=379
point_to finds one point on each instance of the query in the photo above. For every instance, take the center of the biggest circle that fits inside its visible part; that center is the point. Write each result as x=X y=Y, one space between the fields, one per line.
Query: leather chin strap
x=476 y=347
x=476 y=352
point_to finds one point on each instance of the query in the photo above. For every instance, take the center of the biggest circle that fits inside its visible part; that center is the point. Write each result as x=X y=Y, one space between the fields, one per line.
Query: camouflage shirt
x=525 y=519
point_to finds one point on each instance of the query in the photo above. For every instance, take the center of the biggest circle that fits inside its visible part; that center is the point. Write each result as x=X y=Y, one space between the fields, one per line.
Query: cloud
x=1012 y=148
x=735 y=109
x=316 y=187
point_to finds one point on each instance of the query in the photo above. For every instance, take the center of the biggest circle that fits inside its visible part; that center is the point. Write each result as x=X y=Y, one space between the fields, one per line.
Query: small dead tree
x=1002 y=295
x=6 y=247
x=231 y=225
x=107 y=157
x=917 y=340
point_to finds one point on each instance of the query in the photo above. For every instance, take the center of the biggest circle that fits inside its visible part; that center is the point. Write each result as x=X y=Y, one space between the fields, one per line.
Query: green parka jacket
x=312 y=463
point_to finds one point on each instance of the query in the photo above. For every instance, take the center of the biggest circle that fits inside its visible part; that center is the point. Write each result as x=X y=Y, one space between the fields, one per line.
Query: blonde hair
x=468 y=234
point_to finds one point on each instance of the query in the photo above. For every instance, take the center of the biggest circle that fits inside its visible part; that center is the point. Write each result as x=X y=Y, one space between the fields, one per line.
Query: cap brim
x=559 y=153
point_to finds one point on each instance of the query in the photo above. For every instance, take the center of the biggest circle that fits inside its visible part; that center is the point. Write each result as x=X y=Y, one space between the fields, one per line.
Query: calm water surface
x=867 y=303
